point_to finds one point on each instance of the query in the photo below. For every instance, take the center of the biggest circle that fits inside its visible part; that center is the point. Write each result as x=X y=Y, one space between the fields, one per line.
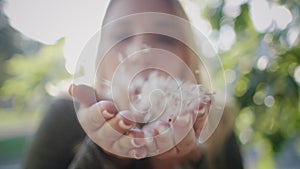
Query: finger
x=201 y=116
x=151 y=146
x=131 y=145
x=182 y=126
x=134 y=139
x=113 y=129
x=84 y=94
x=187 y=144
x=164 y=139
x=92 y=118
x=183 y=136
x=199 y=111
x=138 y=153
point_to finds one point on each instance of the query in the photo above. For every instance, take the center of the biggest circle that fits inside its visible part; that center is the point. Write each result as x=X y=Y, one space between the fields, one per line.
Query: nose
x=136 y=44
x=138 y=50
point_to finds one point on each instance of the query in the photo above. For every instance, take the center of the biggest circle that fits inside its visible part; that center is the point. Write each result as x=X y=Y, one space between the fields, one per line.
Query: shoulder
x=60 y=108
x=61 y=104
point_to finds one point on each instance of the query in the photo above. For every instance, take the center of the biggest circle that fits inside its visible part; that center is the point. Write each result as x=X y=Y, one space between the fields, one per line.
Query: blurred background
x=258 y=42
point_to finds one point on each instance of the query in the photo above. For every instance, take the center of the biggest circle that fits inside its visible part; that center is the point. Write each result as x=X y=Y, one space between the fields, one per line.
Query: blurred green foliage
x=268 y=96
x=12 y=42
x=28 y=76
x=12 y=148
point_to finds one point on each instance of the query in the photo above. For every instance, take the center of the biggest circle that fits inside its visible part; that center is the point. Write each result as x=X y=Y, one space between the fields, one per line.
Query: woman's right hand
x=106 y=126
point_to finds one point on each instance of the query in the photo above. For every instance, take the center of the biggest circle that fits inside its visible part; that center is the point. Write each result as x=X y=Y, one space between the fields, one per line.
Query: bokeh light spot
x=297 y=74
x=262 y=62
x=269 y=101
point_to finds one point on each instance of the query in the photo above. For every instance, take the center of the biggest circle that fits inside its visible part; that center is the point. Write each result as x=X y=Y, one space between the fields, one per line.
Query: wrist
x=119 y=162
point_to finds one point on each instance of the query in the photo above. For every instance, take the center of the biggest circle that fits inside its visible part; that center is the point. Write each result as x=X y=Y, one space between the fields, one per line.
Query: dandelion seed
x=158 y=97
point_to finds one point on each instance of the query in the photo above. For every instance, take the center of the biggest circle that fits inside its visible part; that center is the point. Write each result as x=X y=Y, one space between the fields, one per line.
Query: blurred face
x=141 y=38
x=143 y=41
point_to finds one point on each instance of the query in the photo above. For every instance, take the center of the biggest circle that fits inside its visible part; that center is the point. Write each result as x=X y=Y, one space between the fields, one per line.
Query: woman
x=114 y=141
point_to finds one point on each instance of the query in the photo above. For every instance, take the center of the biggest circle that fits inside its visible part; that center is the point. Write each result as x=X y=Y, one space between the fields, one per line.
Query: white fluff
x=155 y=97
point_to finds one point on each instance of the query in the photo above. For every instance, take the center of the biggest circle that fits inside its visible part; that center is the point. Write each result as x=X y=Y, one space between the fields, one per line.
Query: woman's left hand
x=177 y=139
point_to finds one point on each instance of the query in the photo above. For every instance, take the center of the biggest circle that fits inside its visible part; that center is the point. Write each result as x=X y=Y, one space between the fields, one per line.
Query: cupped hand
x=118 y=135
x=178 y=139
x=107 y=127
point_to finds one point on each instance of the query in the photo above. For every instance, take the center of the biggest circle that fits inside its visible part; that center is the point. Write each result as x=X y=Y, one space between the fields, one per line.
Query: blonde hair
x=191 y=59
x=216 y=142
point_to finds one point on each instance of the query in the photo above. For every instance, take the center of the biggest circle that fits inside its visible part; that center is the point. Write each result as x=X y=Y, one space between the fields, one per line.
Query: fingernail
x=107 y=114
x=200 y=111
x=124 y=124
x=138 y=155
x=138 y=142
x=71 y=89
x=183 y=120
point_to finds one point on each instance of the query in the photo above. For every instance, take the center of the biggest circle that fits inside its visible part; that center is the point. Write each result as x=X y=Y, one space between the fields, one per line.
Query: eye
x=121 y=36
x=166 y=39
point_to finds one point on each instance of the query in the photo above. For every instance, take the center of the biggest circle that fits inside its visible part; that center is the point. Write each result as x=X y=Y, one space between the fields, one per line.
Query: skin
x=108 y=128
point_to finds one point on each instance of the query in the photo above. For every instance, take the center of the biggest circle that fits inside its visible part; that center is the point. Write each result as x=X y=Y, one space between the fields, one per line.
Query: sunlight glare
x=281 y=15
x=297 y=74
x=260 y=15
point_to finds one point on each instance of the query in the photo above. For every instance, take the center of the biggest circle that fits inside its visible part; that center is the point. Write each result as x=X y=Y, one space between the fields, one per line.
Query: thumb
x=84 y=94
